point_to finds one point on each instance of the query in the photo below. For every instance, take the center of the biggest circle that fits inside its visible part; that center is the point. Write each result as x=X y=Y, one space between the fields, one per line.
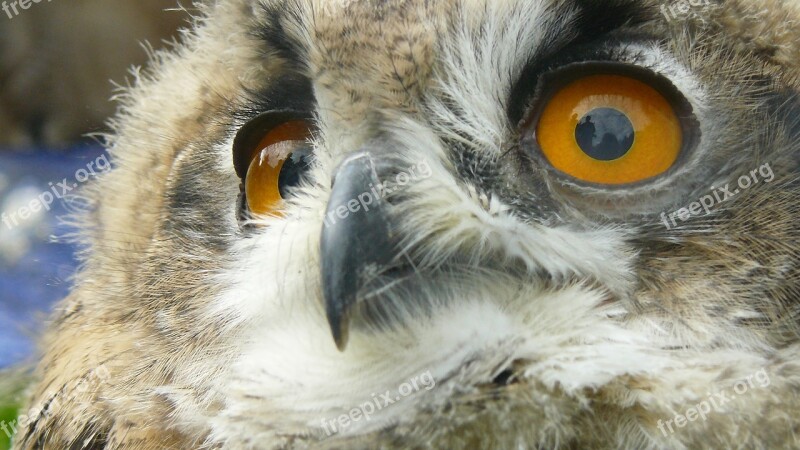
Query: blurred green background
x=8 y=413
x=12 y=389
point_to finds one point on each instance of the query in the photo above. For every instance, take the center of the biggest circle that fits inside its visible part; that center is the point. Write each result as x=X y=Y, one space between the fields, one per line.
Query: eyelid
x=620 y=47
x=254 y=130
x=551 y=82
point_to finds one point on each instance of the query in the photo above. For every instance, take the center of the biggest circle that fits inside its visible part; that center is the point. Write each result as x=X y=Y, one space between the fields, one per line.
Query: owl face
x=460 y=224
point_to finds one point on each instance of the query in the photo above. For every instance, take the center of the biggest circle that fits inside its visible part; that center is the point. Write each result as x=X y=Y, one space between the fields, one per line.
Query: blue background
x=36 y=262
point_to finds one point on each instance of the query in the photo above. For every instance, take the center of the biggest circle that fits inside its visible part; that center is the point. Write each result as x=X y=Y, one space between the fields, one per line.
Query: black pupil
x=605 y=134
x=293 y=170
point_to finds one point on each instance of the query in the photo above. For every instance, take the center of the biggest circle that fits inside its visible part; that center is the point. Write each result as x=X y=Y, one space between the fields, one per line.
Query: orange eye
x=610 y=129
x=277 y=163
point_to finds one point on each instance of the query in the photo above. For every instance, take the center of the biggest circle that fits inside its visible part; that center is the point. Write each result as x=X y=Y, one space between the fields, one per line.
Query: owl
x=460 y=224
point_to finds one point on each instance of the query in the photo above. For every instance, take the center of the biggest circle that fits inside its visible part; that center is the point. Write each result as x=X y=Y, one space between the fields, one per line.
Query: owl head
x=455 y=224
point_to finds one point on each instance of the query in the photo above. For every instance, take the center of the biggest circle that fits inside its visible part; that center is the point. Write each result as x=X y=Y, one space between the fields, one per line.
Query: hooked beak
x=357 y=240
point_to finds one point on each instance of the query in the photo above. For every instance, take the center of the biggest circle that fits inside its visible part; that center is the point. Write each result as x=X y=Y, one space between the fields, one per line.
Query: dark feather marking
x=273 y=32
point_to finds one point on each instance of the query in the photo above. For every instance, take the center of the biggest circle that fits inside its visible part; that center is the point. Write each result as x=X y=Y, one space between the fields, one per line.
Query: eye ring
x=553 y=83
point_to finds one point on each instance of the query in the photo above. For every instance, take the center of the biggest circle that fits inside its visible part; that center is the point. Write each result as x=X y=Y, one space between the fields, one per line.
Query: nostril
x=504 y=378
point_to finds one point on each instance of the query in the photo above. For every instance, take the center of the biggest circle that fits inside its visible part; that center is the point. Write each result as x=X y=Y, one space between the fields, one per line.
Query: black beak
x=357 y=241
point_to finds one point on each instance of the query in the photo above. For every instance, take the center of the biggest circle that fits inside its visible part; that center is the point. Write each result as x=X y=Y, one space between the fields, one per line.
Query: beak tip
x=340 y=328
x=341 y=341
